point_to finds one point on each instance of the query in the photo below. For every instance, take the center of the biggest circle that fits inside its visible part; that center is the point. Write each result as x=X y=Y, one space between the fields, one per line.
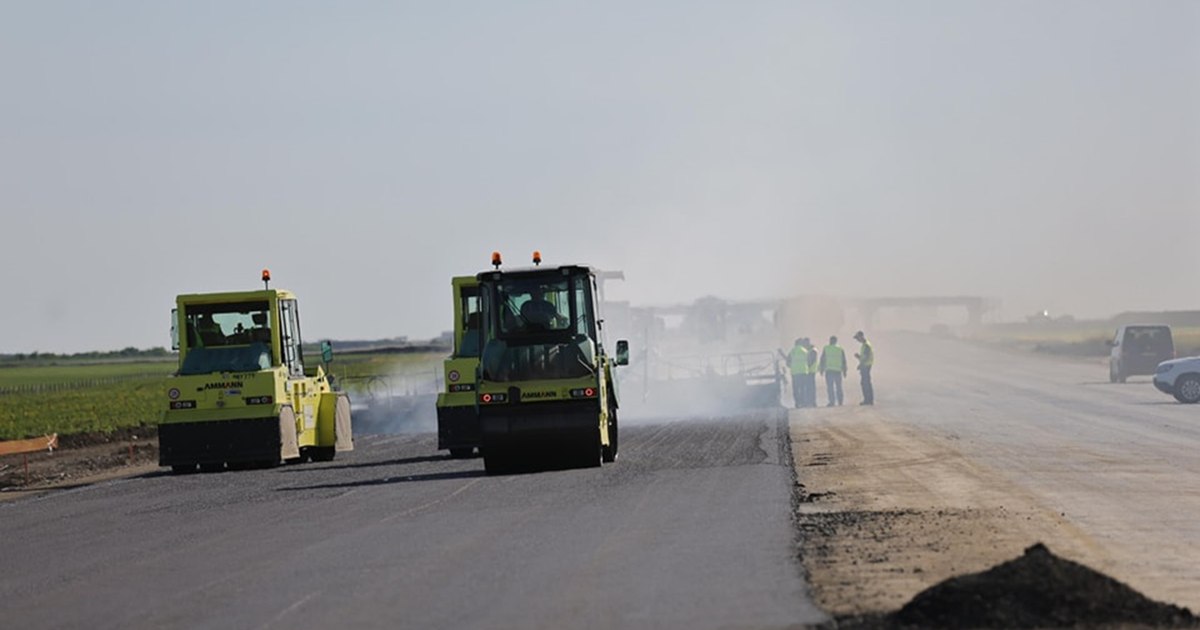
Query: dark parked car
x=1137 y=349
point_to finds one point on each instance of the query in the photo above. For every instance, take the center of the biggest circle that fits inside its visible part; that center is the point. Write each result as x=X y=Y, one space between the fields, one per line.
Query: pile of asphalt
x=1036 y=590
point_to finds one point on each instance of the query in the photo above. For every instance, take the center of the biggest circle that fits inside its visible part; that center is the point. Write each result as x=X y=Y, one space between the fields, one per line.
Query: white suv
x=1180 y=378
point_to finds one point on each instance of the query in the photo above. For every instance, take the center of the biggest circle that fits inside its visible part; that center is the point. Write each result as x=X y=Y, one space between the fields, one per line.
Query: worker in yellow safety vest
x=797 y=360
x=866 y=360
x=810 y=376
x=833 y=366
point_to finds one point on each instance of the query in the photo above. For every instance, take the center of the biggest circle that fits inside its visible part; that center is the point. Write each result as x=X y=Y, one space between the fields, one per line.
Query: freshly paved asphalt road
x=690 y=529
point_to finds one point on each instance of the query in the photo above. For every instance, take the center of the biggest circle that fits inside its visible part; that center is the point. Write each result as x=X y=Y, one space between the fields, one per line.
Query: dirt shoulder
x=887 y=510
x=80 y=460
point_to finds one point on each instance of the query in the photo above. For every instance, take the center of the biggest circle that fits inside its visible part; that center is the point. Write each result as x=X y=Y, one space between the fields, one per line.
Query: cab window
x=289 y=337
x=217 y=325
x=232 y=337
x=539 y=327
x=535 y=306
x=471 y=322
x=583 y=313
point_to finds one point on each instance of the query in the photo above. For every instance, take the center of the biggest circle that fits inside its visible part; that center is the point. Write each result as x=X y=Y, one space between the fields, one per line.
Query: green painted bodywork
x=460 y=372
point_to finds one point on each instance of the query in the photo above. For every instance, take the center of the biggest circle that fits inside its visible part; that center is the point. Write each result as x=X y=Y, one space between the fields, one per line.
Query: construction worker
x=833 y=366
x=797 y=360
x=209 y=331
x=866 y=360
x=810 y=375
x=538 y=311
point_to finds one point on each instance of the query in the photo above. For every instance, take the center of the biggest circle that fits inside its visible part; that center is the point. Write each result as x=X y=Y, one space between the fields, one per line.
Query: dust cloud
x=713 y=357
x=396 y=403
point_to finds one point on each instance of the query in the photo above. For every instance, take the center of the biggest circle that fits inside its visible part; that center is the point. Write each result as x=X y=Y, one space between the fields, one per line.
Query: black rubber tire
x=591 y=452
x=496 y=462
x=183 y=469
x=1112 y=373
x=1187 y=389
x=608 y=454
x=322 y=453
x=212 y=468
x=462 y=453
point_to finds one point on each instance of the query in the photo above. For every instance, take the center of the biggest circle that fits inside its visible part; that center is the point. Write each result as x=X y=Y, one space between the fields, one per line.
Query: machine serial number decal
x=225 y=385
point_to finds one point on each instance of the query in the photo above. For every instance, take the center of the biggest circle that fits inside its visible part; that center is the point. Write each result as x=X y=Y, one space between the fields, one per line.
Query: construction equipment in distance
x=457 y=417
x=242 y=396
x=545 y=388
x=711 y=357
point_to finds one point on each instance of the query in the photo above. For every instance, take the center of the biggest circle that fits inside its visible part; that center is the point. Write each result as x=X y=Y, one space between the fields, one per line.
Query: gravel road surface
x=973 y=454
x=691 y=528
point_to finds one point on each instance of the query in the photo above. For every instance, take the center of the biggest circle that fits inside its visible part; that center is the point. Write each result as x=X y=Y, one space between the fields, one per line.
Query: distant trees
x=124 y=353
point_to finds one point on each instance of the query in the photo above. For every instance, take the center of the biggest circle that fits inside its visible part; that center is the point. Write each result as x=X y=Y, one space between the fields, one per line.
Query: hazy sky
x=1043 y=152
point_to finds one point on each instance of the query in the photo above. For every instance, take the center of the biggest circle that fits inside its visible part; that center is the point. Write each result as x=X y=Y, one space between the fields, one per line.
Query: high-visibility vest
x=835 y=358
x=866 y=355
x=798 y=360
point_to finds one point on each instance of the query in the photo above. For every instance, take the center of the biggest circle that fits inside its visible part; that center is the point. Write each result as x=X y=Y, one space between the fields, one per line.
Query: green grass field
x=18 y=375
x=93 y=408
x=75 y=397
